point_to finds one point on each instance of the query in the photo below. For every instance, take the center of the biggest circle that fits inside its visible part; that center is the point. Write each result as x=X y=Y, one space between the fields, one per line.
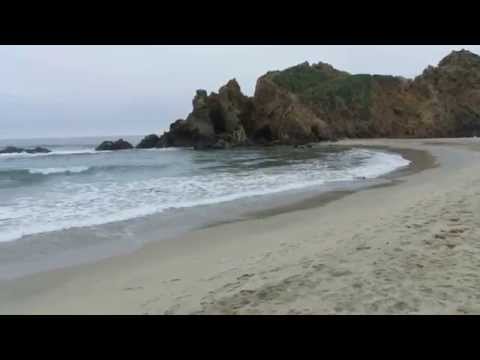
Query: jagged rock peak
x=324 y=67
x=232 y=85
x=460 y=65
x=460 y=58
x=231 y=89
x=320 y=66
x=200 y=99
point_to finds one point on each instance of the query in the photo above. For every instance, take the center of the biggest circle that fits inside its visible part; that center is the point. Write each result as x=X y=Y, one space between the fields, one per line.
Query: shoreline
x=248 y=266
x=59 y=249
x=420 y=161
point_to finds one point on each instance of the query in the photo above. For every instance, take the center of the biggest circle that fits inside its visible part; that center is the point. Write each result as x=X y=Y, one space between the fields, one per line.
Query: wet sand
x=409 y=246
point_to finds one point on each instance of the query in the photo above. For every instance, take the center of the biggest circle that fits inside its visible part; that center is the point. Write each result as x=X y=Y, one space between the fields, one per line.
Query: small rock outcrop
x=114 y=145
x=38 y=150
x=149 y=142
x=17 y=150
x=11 y=150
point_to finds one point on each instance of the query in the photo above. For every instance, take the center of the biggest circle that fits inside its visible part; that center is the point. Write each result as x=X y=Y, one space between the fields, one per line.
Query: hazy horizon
x=90 y=91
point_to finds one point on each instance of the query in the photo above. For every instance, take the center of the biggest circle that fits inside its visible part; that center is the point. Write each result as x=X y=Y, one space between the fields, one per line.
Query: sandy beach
x=409 y=247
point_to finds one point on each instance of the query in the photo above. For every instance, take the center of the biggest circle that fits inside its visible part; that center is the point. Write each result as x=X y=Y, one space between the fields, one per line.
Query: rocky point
x=316 y=102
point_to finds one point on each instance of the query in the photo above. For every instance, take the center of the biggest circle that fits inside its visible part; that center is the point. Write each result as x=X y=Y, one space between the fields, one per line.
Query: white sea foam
x=167 y=149
x=379 y=163
x=77 y=204
x=74 y=152
x=48 y=171
x=55 y=152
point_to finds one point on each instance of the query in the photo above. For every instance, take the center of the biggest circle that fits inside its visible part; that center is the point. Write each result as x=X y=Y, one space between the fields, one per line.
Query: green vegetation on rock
x=304 y=77
x=323 y=85
x=351 y=89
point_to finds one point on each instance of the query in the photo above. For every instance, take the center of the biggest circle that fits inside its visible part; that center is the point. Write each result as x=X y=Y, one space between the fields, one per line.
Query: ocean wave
x=167 y=149
x=66 y=170
x=79 y=152
x=53 y=153
x=75 y=152
x=36 y=173
x=86 y=204
x=12 y=177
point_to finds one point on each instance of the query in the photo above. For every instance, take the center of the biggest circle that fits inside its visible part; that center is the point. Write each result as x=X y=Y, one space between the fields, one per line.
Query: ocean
x=75 y=186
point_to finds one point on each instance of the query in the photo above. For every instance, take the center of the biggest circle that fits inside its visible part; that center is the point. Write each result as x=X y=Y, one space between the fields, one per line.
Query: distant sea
x=75 y=186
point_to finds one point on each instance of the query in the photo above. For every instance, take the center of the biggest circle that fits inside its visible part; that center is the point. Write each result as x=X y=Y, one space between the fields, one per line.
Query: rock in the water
x=149 y=142
x=114 y=145
x=38 y=150
x=17 y=150
x=11 y=150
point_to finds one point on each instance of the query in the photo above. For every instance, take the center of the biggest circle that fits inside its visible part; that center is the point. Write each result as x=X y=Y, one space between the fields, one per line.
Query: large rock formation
x=281 y=117
x=308 y=103
x=443 y=101
x=217 y=120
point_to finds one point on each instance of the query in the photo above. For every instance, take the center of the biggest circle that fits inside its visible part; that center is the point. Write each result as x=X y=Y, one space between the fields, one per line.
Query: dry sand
x=409 y=248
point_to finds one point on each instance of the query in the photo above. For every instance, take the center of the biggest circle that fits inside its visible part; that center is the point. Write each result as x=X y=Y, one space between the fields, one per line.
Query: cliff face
x=308 y=103
x=280 y=116
x=450 y=96
x=443 y=101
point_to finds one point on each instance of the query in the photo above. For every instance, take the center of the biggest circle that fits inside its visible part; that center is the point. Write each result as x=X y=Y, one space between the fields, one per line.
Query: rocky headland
x=316 y=102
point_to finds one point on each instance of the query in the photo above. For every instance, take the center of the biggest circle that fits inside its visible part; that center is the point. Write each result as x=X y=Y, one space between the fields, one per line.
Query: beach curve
x=407 y=248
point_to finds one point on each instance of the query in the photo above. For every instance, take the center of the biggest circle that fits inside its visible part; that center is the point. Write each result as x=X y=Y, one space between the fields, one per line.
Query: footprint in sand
x=338 y=273
x=363 y=247
x=245 y=276
x=400 y=306
x=318 y=266
x=456 y=231
x=357 y=285
x=306 y=264
x=133 y=288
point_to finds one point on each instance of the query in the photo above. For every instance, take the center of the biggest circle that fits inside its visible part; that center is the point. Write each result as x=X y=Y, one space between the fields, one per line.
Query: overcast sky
x=56 y=91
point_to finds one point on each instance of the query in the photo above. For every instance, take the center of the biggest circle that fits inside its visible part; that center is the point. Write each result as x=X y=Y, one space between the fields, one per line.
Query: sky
x=72 y=91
